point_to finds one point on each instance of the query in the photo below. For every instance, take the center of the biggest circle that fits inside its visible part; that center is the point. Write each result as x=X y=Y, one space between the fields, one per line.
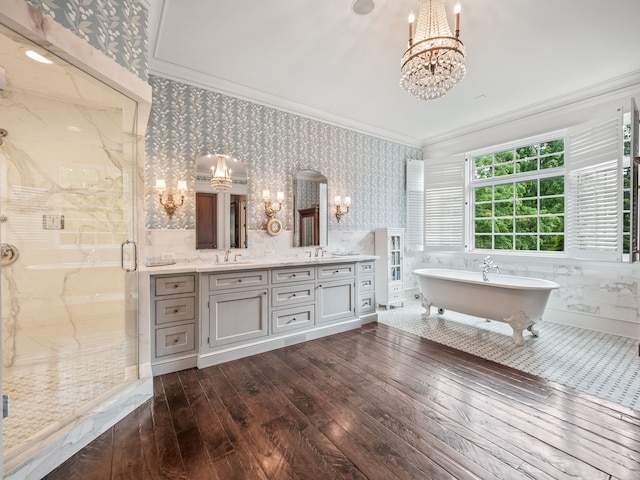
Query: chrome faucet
x=226 y=255
x=321 y=250
x=487 y=266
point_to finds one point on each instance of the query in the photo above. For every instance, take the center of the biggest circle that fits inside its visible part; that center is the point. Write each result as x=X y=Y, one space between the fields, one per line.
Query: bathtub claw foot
x=533 y=331
x=426 y=305
x=518 y=338
x=519 y=322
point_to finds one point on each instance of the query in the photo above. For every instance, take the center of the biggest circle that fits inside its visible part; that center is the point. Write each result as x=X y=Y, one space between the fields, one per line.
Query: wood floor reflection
x=374 y=403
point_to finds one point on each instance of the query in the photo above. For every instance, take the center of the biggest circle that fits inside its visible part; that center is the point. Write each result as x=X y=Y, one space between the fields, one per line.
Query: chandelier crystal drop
x=220 y=174
x=434 y=61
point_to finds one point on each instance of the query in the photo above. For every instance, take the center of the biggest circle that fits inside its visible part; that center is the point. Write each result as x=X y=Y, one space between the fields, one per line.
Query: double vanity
x=202 y=314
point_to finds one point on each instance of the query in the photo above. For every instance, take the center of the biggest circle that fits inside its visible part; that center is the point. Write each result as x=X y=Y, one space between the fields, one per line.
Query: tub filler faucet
x=487 y=266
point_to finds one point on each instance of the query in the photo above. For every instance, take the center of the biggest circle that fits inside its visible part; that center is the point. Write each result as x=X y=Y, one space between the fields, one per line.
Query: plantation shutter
x=634 y=226
x=594 y=190
x=414 y=238
x=444 y=204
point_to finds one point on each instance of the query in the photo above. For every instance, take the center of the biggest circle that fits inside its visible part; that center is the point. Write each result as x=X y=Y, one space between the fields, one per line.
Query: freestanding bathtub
x=518 y=301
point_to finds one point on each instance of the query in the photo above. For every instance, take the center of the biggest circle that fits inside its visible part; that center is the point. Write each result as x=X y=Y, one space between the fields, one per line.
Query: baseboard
x=174 y=365
x=266 y=344
x=592 y=322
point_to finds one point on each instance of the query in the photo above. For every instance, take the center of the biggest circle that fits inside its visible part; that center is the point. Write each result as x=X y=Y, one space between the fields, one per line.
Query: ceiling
x=320 y=59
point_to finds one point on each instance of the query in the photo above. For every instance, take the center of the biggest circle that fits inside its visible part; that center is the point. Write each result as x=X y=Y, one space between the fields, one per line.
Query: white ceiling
x=319 y=59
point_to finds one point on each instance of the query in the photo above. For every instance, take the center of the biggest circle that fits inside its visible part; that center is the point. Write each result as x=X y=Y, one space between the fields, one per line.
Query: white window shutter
x=594 y=189
x=634 y=226
x=414 y=238
x=444 y=204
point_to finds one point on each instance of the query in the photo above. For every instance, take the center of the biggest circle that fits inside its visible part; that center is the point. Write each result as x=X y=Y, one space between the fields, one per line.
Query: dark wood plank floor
x=374 y=403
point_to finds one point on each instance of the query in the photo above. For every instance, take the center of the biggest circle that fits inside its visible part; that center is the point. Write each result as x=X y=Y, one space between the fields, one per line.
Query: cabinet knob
x=175 y=341
x=176 y=310
x=294 y=275
x=239 y=280
x=176 y=285
x=293 y=295
x=264 y=293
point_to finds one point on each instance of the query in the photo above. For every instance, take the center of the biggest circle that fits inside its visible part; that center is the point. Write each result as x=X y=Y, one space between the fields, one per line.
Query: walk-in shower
x=67 y=225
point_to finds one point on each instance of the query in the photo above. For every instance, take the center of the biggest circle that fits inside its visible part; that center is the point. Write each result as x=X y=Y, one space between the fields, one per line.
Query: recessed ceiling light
x=37 y=57
x=362 y=7
x=73 y=128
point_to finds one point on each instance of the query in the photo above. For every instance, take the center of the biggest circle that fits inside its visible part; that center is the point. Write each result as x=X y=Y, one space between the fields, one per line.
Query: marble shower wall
x=187 y=121
x=118 y=28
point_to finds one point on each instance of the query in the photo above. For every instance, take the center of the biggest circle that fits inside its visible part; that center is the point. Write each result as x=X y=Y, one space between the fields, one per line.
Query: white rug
x=607 y=366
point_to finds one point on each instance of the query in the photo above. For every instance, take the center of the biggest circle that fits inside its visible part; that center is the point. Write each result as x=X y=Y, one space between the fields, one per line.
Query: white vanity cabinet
x=389 y=245
x=222 y=313
x=173 y=313
x=235 y=307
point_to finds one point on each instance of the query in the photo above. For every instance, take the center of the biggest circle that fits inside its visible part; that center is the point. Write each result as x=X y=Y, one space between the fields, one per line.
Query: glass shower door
x=67 y=222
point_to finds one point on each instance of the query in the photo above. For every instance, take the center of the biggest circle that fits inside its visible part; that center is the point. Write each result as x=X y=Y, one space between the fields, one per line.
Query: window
x=563 y=193
x=518 y=197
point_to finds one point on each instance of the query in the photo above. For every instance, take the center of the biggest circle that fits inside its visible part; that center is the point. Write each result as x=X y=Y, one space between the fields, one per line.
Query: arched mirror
x=221 y=206
x=309 y=209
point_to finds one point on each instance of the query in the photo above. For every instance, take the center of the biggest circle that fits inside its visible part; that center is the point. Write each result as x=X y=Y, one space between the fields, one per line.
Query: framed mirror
x=309 y=209
x=221 y=213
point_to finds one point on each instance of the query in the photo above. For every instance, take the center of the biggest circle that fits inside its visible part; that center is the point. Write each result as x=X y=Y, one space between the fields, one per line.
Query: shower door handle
x=135 y=256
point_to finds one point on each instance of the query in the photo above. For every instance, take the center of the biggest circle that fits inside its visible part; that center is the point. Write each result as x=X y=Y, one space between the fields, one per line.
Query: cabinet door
x=237 y=316
x=336 y=300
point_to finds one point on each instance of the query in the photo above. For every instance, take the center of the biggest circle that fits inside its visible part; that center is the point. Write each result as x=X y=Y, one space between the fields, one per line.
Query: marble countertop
x=210 y=266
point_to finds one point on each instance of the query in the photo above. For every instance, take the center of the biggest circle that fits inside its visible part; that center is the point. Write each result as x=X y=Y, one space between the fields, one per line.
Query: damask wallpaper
x=118 y=28
x=186 y=121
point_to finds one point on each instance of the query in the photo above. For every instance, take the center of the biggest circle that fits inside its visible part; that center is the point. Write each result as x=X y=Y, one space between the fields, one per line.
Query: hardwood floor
x=374 y=403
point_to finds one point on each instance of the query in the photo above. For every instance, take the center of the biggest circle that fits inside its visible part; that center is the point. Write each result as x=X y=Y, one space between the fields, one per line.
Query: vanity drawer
x=367 y=303
x=293 y=294
x=171 y=340
x=341 y=270
x=175 y=284
x=395 y=288
x=220 y=281
x=292 y=318
x=367 y=267
x=365 y=283
x=295 y=274
x=175 y=310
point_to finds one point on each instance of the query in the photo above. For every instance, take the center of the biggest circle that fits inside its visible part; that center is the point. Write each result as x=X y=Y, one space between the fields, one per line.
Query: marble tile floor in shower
x=43 y=394
x=607 y=366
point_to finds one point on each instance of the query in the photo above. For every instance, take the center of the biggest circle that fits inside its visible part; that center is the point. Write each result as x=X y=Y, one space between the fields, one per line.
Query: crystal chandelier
x=220 y=174
x=434 y=61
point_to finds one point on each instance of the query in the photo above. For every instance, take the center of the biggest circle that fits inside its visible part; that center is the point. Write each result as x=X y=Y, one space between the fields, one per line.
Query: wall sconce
x=269 y=211
x=339 y=211
x=170 y=205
